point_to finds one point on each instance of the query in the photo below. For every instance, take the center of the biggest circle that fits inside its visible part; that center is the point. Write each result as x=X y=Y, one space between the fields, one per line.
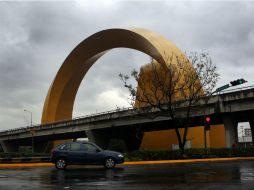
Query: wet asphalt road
x=212 y=175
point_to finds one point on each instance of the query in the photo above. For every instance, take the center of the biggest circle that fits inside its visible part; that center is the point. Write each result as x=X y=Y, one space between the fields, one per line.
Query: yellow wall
x=196 y=137
x=217 y=136
x=163 y=140
x=158 y=140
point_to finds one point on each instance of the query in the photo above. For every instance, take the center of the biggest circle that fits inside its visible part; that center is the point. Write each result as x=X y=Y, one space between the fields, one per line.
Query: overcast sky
x=36 y=37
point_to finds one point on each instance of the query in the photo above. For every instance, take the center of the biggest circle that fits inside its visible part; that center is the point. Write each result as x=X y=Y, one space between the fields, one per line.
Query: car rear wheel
x=61 y=163
x=109 y=163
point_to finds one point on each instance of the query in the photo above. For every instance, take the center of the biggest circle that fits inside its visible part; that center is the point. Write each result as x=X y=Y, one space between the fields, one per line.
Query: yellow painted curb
x=135 y=163
x=187 y=161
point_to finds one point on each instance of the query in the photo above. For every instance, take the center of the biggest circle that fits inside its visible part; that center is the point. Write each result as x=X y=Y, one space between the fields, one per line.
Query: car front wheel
x=61 y=163
x=109 y=163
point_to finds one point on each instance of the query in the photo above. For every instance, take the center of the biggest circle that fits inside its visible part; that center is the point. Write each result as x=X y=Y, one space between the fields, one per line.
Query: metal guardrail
x=118 y=110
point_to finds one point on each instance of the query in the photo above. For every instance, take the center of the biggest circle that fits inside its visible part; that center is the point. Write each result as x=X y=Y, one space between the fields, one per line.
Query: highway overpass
x=128 y=124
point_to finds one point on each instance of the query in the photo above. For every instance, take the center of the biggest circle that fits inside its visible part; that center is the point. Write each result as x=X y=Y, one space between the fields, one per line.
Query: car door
x=93 y=154
x=76 y=155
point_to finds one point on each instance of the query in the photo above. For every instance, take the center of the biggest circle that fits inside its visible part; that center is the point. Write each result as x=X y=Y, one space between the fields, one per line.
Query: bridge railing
x=38 y=126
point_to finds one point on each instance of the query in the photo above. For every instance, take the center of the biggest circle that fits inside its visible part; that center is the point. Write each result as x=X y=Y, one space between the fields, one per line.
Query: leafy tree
x=182 y=82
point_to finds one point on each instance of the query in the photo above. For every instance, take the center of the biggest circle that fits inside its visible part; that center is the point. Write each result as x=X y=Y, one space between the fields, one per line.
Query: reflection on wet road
x=213 y=175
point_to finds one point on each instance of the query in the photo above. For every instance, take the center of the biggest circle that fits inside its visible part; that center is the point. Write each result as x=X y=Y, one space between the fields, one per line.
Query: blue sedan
x=84 y=153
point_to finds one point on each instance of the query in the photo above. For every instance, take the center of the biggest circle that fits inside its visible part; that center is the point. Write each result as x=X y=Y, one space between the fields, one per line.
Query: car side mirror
x=98 y=150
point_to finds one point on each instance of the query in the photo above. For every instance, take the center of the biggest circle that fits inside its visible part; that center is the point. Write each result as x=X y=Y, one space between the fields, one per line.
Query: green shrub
x=18 y=155
x=189 y=154
x=152 y=155
x=140 y=155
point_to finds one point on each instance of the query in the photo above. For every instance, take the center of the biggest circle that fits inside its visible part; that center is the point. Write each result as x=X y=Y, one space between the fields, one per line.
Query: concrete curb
x=29 y=164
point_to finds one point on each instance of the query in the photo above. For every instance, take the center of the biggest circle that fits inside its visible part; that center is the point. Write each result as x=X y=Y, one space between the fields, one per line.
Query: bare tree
x=181 y=81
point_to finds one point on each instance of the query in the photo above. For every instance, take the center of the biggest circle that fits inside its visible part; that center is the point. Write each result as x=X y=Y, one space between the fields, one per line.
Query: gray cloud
x=36 y=37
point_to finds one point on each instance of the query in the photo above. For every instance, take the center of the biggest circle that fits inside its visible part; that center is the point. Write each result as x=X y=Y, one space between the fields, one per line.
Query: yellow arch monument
x=61 y=95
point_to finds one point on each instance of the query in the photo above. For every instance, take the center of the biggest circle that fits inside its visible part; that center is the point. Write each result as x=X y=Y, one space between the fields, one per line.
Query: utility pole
x=31 y=131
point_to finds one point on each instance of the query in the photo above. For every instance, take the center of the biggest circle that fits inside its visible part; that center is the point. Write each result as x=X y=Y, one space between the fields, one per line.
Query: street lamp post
x=31 y=124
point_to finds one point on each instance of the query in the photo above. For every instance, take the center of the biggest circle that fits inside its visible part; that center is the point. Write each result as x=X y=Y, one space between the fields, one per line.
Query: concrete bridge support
x=9 y=146
x=14 y=145
x=251 y=121
x=230 y=125
x=132 y=137
x=42 y=146
x=99 y=138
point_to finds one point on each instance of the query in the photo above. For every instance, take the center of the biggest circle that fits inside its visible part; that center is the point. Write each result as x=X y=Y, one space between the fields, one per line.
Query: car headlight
x=120 y=155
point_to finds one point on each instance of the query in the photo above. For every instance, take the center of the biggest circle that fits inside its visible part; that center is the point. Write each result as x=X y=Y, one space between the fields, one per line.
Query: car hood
x=110 y=152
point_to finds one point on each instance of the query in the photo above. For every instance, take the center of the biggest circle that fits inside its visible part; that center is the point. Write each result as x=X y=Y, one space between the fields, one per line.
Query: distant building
x=246 y=136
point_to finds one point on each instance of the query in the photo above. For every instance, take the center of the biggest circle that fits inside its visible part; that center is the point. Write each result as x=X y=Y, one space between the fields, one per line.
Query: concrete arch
x=61 y=95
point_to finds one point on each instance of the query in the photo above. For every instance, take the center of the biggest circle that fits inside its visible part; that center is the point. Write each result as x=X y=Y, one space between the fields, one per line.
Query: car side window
x=89 y=148
x=62 y=147
x=75 y=147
